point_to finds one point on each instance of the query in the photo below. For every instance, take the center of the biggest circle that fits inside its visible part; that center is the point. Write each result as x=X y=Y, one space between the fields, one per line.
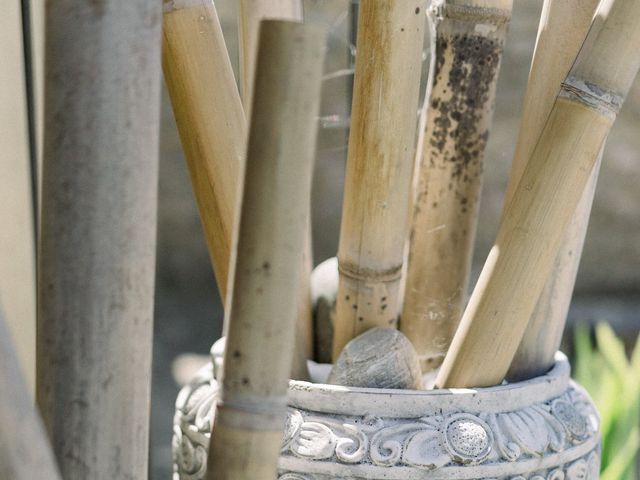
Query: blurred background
x=189 y=312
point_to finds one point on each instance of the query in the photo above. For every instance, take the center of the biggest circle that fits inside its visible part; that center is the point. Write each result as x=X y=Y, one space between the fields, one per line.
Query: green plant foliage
x=613 y=381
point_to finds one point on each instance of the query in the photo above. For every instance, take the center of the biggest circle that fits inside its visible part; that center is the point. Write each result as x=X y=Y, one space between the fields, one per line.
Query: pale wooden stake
x=97 y=245
x=468 y=45
x=563 y=27
x=269 y=241
x=545 y=199
x=25 y=452
x=379 y=166
x=209 y=116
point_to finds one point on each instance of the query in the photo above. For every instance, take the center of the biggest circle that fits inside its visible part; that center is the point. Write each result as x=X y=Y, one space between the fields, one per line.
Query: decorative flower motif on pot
x=573 y=421
x=467 y=438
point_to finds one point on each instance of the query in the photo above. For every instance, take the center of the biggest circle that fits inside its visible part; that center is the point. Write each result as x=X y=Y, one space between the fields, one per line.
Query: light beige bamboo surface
x=545 y=199
x=25 y=452
x=269 y=245
x=468 y=46
x=210 y=119
x=96 y=262
x=379 y=166
x=251 y=12
x=17 y=244
x=563 y=27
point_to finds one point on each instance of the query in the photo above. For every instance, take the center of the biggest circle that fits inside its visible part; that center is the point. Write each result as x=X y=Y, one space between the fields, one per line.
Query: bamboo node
x=355 y=272
x=470 y=14
x=591 y=96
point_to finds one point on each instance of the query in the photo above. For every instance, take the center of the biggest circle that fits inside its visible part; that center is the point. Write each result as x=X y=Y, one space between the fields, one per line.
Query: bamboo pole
x=545 y=199
x=249 y=421
x=210 y=119
x=468 y=46
x=97 y=247
x=379 y=166
x=212 y=127
x=563 y=26
x=25 y=452
x=17 y=235
x=251 y=12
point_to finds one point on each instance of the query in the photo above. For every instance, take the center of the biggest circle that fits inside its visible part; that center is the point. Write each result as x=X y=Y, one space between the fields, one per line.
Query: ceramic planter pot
x=543 y=429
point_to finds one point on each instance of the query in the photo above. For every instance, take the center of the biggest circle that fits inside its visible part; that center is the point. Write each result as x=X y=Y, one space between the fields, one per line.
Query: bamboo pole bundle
x=25 y=452
x=545 y=199
x=468 y=45
x=97 y=246
x=563 y=26
x=209 y=116
x=379 y=166
x=269 y=241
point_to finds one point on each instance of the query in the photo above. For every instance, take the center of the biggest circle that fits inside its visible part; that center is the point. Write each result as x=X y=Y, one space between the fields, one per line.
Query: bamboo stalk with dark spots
x=379 y=166
x=563 y=27
x=543 y=203
x=468 y=46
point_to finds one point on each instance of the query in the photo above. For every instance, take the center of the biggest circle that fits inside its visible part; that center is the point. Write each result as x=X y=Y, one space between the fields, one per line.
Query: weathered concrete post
x=97 y=249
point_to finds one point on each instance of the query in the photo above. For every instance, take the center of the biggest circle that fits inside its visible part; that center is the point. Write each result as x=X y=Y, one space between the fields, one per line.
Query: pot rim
x=335 y=399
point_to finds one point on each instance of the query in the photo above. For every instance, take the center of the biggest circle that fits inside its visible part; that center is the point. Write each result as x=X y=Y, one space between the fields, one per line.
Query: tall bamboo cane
x=209 y=116
x=545 y=199
x=25 y=452
x=212 y=128
x=563 y=26
x=468 y=45
x=17 y=239
x=249 y=421
x=97 y=246
x=250 y=14
x=379 y=166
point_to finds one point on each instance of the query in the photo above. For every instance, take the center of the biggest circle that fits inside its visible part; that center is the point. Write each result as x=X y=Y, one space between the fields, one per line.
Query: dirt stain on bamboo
x=460 y=108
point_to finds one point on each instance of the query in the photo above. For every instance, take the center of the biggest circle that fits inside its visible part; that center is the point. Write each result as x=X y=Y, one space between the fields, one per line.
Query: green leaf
x=624 y=459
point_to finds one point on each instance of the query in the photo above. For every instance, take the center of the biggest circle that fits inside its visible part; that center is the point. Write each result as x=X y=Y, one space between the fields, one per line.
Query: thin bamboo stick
x=17 y=235
x=97 y=245
x=209 y=116
x=563 y=26
x=269 y=241
x=25 y=452
x=468 y=46
x=379 y=166
x=545 y=199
